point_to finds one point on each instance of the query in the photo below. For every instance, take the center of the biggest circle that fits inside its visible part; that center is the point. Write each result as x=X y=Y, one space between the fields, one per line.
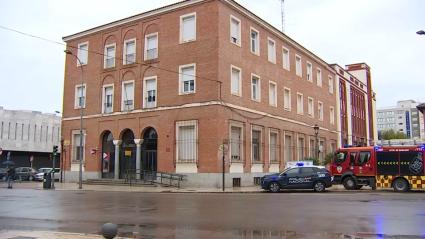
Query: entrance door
x=149 y=151
x=128 y=155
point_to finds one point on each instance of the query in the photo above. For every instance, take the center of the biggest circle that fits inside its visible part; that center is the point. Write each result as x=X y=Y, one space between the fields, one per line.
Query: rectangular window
x=312 y=146
x=187 y=141
x=298 y=66
x=288 y=148
x=285 y=59
x=255 y=41
x=149 y=93
x=187 y=84
x=236 y=81
x=271 y=51
x=235 y=31
x=300 y=104
x=108 y=96
x=319 y=77
x=301 y=150
x=272 y=94
x=127 y=96
x=78 y=148
x=310 y=107
x=331 y=115
x=80 y=96
x=255 y=88
x=151 y=46
x=309 y=72
x=274 y=147
x=256 y=146
x=287 y=99
x=188 y=28
x=109 y=57
x=236 y=144
x=129 y=51
x=320 y=110
x=331 y=84
x=83 y=53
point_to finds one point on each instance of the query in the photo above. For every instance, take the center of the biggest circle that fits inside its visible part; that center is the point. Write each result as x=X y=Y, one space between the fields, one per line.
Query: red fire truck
x=401 y=168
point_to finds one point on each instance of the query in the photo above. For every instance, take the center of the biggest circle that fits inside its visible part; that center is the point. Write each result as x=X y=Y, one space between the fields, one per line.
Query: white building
x=404 y=117
x=29 y=136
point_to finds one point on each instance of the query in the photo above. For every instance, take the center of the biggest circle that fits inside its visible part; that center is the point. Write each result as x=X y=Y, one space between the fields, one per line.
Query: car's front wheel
x=349 y=183
x=319 y=186
x=274 y=187
x=400 y=185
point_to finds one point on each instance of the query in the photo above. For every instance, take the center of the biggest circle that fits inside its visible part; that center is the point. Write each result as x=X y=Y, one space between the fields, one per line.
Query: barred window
x=256 y=144
x=236 y=144
x=288 y=148
x=187 y=142
x=77 y=148
x=300 y=147
x=274 y=147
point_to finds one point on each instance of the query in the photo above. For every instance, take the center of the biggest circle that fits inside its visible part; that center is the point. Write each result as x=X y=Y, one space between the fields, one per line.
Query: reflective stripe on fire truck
x=416 y=182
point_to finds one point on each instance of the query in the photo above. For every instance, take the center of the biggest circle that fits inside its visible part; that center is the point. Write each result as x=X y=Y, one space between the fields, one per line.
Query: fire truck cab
x=401 y=168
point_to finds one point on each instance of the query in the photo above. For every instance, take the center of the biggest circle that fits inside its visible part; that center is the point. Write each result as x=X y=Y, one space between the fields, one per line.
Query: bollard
x=109 y=230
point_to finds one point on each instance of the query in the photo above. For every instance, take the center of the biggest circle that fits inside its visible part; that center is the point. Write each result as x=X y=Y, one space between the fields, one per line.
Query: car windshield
x=44 y=170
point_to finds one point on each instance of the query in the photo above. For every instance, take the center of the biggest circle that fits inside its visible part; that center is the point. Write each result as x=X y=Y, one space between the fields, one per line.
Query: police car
x=298 y=177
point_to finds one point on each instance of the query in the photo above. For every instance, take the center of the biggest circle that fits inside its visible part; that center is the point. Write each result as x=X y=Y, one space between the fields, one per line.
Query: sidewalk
x=6 y=234
x=147 y=189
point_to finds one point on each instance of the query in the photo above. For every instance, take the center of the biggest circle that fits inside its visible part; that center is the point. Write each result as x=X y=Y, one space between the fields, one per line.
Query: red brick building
x=163 y=90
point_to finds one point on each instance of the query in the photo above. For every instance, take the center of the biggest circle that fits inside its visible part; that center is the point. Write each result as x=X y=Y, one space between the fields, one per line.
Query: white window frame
x=257 y=48
x=271 y=58
x=319 y=79
x=76 y=96
x=309 y=71
x=259 y=88
x=286 y=58
x=331 y=84
x=320 y=109
x=331 y=115
x=105 y=56
x=145 y=54
x=239 y=40
x=145 y=93
x=124 y=57
x=300 y=107
x=274 y=131
x=181 y=27
x=239 y=93
x=284 y=101
x=298 y=71
x=187 y=123
x=260 y=154
x=181 y=92
x=310 y=108
x=104 y=98
x=79 y=53
x=122 y=94
x=74 y=157
x=241 y=152
x=275 y=94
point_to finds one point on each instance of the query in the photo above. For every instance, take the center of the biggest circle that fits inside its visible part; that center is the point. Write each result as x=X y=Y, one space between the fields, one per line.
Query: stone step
x=112 y=182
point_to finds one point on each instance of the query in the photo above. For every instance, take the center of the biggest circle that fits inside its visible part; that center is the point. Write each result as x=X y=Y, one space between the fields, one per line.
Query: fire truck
x=398 y=167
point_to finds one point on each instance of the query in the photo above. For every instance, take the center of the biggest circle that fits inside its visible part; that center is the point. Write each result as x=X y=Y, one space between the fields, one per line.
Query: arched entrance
x=108 y=155
x=149 y=150
x=127 y=154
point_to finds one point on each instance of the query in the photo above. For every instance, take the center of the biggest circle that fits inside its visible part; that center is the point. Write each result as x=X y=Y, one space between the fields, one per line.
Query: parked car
x=299 y=177
x=3 y=173
x=39 y=176
x=25 y=173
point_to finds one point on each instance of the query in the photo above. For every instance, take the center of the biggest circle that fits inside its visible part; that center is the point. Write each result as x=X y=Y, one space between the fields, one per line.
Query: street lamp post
x=80 y=173
x=316 y=134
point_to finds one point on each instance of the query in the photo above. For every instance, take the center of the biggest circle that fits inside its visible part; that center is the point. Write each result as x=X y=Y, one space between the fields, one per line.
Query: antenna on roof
x=282 y=12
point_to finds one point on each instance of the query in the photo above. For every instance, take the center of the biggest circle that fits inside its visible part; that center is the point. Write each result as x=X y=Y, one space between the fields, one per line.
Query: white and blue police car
x=299 y=176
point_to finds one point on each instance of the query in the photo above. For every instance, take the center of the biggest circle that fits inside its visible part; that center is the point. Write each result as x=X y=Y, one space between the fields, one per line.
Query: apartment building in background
x=405 y=117
x=28 y=137
x=356 y=105
x=171 y=89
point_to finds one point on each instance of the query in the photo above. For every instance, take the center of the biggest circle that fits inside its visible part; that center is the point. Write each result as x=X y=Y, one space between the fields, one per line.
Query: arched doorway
x=127 y=154
x=149 y=150
x=108 y=155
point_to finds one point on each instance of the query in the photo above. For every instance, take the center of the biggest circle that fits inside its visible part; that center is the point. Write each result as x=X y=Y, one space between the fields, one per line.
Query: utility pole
x=282 y=12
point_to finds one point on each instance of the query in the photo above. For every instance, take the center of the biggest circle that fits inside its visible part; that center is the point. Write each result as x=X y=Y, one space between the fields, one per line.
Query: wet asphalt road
x=212 y=215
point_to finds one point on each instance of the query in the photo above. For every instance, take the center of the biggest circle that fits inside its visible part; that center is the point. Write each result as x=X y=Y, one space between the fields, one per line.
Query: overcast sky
x=381 y=33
